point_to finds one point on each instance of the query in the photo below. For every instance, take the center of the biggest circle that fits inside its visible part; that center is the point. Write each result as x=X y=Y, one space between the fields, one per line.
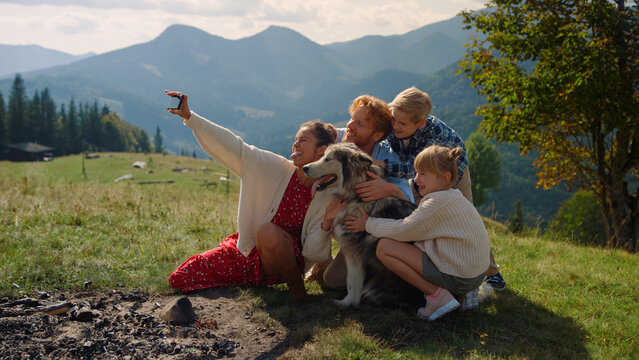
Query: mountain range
x=263 y=86
x=24 y=58
x=258 y=85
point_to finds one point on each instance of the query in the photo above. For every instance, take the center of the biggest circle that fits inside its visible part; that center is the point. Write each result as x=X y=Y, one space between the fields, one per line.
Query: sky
x=81 y=26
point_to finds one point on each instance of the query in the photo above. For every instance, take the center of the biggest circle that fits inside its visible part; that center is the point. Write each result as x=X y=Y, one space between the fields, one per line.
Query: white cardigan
x=264 y=178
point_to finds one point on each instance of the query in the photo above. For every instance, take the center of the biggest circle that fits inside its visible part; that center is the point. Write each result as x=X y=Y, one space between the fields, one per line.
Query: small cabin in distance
x=29 y=151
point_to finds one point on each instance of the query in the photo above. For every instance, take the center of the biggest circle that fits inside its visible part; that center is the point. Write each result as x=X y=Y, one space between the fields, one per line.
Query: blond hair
x=378 y=110
x=439 y=159
x=414 y=102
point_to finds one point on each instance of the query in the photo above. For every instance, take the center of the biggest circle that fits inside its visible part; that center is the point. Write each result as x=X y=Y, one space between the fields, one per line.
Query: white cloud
x=77 y=26
x=287 y=11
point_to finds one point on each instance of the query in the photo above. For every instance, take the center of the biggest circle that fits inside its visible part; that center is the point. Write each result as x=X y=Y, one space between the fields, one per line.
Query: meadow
x=61 y=227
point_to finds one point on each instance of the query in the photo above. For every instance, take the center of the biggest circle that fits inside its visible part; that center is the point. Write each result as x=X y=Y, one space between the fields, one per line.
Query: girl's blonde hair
x=438 y=159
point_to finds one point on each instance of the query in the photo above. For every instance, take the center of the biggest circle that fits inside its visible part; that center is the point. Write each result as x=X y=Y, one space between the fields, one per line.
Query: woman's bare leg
x=277 y=254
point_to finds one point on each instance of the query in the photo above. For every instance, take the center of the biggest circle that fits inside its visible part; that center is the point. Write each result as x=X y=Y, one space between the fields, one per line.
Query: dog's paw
x=347 y=302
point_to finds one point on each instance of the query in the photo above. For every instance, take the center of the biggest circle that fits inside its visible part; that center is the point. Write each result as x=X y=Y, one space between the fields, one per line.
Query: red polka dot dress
x=226 y=265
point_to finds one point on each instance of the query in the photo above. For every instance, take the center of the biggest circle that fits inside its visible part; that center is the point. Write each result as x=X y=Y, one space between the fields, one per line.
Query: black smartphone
x=175 y=102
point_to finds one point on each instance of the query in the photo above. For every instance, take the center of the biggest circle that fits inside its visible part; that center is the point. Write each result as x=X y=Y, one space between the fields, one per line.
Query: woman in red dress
x=279 y=218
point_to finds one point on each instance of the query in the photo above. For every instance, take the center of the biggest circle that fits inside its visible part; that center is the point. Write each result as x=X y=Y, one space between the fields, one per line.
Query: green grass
x=58 y=230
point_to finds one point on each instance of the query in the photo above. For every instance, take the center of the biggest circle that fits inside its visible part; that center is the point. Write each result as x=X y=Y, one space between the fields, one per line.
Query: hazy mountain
x=23 y=58
x=258 y=86
x=425 y=50
x=264 y=86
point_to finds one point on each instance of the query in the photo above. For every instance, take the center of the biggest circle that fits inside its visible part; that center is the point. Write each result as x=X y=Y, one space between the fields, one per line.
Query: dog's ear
x=364 y=159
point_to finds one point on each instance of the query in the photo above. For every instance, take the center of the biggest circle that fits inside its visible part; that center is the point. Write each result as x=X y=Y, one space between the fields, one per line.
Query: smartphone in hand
x=175 y=102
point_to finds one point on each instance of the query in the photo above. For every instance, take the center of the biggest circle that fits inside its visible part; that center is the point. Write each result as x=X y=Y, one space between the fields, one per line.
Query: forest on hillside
x=68 y=129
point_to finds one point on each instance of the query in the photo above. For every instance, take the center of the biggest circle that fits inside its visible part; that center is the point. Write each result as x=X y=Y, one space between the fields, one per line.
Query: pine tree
x=94 y=124
x=72 y=130
x=33 y=126
x=17 y=111
x=62 y=138
x=157 y=141
x=3 y=122
x=83 y=121
x=48 y=128
x=516 y=222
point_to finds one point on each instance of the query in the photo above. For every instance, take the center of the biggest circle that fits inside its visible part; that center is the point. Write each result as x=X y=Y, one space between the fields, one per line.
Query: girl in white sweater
x=442 y=248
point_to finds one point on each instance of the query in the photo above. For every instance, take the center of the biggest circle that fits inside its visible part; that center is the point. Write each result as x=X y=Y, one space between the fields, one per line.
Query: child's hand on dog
x=356 y=223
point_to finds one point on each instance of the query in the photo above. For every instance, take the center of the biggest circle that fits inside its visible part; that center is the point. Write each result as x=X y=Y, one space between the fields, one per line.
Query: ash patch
x=127 y=325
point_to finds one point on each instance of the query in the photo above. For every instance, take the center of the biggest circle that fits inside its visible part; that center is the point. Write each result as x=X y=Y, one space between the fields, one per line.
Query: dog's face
x=342 y=166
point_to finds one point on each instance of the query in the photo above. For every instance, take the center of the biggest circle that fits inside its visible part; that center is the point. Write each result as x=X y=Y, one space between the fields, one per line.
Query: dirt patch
x=126 y=325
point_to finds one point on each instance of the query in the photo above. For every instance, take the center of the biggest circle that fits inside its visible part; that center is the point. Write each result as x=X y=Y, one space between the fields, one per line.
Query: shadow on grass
x=506 y=325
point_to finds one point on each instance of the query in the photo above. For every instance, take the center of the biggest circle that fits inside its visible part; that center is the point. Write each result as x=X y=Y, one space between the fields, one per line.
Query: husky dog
x=342 y=166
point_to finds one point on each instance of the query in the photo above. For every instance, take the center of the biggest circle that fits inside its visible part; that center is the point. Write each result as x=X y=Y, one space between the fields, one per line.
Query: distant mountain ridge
x=264 y=86
x=278 y=72
x=23 y=58
x=425 y=50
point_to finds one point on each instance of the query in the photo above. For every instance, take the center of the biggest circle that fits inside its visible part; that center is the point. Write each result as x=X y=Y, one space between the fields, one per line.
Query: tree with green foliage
x=516 y=221
x=143 y=143
x=17 y=118
x=579 y=220
x=484 y=159
x=561 y=78
x=61 y=138
x=72 y=130
x=157 y=141
x=33 y=126
x=48 y=110
x=119 y=135
x=90 y=123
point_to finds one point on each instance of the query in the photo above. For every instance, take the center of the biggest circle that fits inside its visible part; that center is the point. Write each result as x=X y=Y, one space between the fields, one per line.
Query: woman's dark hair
x=324 y=133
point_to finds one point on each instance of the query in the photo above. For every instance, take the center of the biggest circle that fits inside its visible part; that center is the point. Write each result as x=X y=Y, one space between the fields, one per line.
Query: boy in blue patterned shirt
x=414 y=130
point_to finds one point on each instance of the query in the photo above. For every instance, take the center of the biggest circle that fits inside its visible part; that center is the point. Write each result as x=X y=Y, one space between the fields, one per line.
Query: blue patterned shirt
x=435 y=132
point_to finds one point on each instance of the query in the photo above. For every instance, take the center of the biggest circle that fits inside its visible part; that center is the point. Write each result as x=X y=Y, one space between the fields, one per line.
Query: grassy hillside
x=58 y=230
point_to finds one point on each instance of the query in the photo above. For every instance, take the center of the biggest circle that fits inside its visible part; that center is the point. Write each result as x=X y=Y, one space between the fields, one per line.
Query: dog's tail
x=485 y=291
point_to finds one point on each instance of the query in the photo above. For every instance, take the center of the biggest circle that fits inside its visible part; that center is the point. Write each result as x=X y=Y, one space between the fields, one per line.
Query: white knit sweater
x=264 y=178
x=448 y=228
